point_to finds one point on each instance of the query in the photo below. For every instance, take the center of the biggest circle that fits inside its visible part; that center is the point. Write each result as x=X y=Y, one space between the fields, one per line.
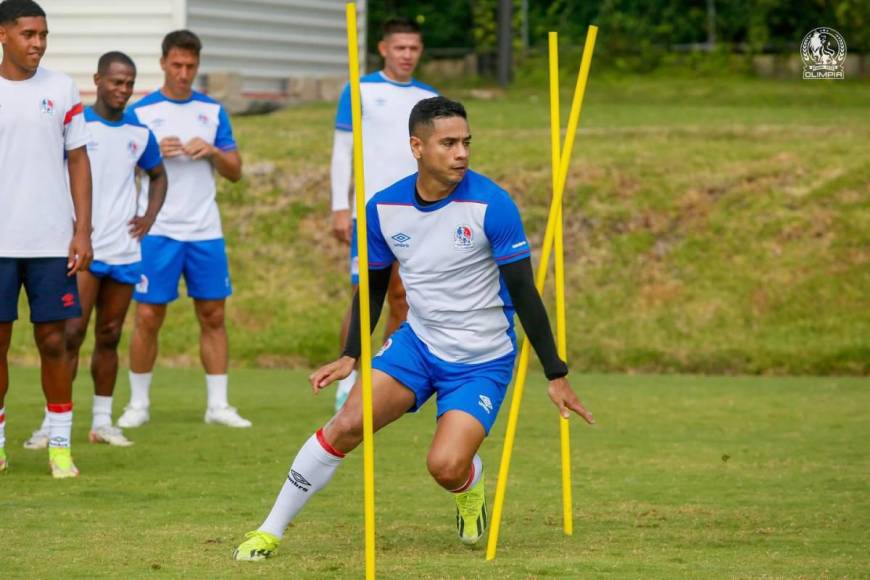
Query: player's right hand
x=334 y=371
x=171 y=147
x=342 y=225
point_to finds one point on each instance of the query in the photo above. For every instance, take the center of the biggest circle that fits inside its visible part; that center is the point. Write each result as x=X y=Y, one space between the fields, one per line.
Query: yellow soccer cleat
x=258 y=546
x=471 y=513
x=3 y=463
x=61 y=463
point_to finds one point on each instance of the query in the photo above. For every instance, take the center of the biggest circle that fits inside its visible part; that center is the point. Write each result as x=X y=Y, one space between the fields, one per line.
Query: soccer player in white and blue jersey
x=387 y=99
x=196 y=140
x=118 y=146
x=465 y=261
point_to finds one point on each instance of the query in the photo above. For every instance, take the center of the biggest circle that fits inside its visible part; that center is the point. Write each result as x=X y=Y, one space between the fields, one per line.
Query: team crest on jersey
x=463 y=238
x=202 y=119
x=46 y=106
x=133 y=148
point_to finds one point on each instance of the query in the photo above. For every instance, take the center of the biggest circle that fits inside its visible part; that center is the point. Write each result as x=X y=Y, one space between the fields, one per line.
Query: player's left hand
x=334 y=371
x=566 y=400
x=140 y=226
x=81 y=253
x=196 y=148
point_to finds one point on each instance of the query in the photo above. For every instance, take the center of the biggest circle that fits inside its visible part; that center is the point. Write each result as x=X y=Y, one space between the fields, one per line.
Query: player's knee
x=75 y=335
x=52 y=344
x=148 y=320
x=346 y=430
x=211 y=318
x=108 y=335
x=448 y=470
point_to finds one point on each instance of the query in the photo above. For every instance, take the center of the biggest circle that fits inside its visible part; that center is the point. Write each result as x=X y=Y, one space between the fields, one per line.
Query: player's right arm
x=341 y=170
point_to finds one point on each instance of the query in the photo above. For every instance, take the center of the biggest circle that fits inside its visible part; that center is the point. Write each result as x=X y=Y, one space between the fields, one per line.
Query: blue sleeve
x=151 y=157
x=224 y=139
x=380 y=254
x=504 y=230
x=343 y=116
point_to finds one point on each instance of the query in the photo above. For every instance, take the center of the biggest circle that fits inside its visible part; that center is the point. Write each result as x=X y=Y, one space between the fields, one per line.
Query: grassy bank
x=714 y=225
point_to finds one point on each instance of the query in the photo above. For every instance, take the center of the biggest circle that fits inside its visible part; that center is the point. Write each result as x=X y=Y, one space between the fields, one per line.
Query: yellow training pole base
x=365 y=319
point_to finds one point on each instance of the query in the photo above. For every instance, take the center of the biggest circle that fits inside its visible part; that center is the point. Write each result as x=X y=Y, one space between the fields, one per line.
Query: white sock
x=473 y=477
x=217 y=391
x=345 y=385
x=312 y=469
x=2 y=427
x=60 y=418
x=140 y=385
x=45 y=422
x=102 y=412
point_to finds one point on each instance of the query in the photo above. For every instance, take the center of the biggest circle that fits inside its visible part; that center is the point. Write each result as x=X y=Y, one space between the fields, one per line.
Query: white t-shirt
x=115 y=149
x=40 y=119
x=190 y=211
x=386 y=107
x=449 y=253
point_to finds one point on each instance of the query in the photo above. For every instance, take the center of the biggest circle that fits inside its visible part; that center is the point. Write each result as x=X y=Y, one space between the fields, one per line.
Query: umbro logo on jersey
x=486 y=403
x=401 y=240
x=298 y=480
x=46 y=106
x=463 y=238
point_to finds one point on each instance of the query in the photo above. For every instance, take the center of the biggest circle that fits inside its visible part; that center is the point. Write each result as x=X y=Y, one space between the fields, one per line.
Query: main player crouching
x=465 y=260
x=119 y=145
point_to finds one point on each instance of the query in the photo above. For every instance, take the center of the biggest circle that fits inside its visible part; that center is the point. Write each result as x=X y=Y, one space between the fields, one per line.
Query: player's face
x=179 y=70
x=401 y=52
x=115 y=86
x=443 y=150
x=24 y=41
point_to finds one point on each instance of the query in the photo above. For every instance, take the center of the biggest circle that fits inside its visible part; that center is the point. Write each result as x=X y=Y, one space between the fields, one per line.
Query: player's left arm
x=223 y=153
x=81 y=253
x=520 y=284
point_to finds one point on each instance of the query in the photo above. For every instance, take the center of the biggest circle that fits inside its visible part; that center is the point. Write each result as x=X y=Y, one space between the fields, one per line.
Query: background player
x=465 y=261
x=387 y=98
x=118 y=146
x=40 y=119
x=196 y=140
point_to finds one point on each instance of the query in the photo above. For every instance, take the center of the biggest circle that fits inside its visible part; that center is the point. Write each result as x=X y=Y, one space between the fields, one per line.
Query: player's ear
x=97 y=79
x=382 y=48
x=416 y=147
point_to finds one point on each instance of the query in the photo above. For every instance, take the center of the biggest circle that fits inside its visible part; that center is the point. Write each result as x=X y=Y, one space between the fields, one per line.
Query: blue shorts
x=354 y=258
x=477 y=389
x=120 y=273
x=52 y=295
x=164 y=260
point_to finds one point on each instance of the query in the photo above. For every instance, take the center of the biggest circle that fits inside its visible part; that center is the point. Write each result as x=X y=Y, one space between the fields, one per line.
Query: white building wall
x=265 y=41
x=81 y=30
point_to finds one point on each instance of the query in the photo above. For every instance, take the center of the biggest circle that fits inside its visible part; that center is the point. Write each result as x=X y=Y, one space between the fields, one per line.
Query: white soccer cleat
x=109 y=435
x=39 y=440
x=133 y=417
x=228 y=416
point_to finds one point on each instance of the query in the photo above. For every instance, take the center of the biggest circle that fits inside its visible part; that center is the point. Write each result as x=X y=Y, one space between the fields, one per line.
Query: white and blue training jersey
x=386 y=107
x=115 y=150
x=190 y=211
x=449 y=253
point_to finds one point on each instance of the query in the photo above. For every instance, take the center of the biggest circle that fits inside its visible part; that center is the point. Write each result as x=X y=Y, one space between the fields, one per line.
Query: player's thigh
x=113 y=302
x=390 y=400
x=206 y=270
x=162 y=262
x=89 y=289
x=457 y=438
x=10 y=287
x=52 y=294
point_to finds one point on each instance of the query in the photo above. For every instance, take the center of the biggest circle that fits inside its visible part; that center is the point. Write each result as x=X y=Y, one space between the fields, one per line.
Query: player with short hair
x=119 y=145
x=387 y=98
x=41 y=121
x=465 y=260
x=196 y=139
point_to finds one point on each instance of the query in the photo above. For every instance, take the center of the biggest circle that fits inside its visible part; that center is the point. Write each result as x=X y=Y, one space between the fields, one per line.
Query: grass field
x=682 y=477
x=713 y=225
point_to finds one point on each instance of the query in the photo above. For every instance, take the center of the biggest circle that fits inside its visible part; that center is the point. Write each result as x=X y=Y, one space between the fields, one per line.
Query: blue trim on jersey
x=151 y=156
x=343 y=115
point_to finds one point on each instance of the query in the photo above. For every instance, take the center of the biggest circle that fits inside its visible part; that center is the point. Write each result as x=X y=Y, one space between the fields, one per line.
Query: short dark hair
x=12 y=10
x=426 y=111
x=112 y=57
x=399 y=25
x=181 y=39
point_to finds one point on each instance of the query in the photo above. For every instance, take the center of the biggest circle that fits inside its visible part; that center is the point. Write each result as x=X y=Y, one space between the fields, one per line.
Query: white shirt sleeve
x=342 y=169
x=75 y=129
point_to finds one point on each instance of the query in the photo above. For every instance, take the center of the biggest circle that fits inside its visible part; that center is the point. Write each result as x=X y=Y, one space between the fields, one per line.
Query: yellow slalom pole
x=540 y=278
x=559 y=267
x=364 y=316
